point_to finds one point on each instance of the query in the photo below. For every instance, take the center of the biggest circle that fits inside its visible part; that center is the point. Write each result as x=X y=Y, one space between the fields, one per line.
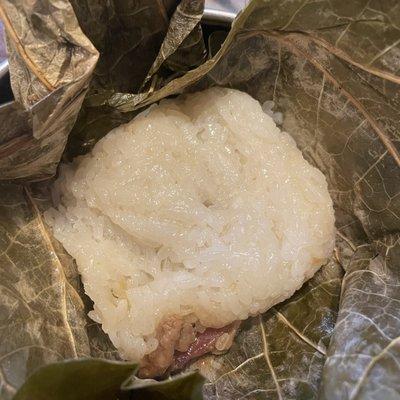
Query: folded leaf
x=188 y=386
x=51 y=62
x=183 y=46
x=97 y=379
x=190 y=54
x=363 y=359
x=127 y=34
x=88 y=379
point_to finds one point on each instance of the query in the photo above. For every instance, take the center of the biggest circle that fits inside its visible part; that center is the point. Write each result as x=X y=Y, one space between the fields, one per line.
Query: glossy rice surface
x=200 y=208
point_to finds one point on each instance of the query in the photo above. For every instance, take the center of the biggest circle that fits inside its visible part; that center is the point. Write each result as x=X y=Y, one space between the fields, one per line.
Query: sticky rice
x=199 y=209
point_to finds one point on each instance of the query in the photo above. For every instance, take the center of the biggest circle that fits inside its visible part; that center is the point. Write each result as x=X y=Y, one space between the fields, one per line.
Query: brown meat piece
x=157 y=362
x=187 y=337
x=212 y=340
x=179 y=343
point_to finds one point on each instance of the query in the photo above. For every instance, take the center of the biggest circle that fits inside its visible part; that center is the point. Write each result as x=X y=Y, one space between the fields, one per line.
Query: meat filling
x=181 y=342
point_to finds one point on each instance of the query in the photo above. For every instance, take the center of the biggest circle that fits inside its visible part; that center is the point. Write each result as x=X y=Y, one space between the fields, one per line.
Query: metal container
x=3 y=53
x=222 y=11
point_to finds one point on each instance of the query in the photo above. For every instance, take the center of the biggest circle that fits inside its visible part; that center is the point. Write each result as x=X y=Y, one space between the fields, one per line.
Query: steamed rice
x=200 y=208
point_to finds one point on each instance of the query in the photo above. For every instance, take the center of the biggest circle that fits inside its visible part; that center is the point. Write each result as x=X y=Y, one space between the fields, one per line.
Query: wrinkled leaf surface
x=51 y=62
x=332 y=68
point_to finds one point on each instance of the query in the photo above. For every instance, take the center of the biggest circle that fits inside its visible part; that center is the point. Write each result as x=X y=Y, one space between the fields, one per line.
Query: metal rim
x=3 y=68
x=3 y=55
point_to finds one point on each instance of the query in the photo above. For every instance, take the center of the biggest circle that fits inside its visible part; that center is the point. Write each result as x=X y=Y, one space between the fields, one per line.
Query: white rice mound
x=199 y=208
